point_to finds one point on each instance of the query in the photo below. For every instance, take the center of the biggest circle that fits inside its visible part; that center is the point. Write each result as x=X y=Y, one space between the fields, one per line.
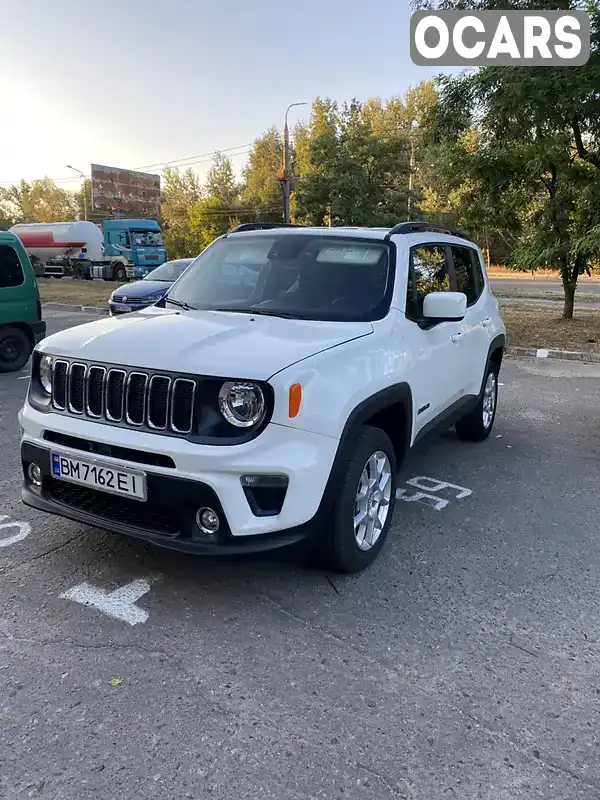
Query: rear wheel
x=15 y=349
x=477 y=425
x=78 y=273
x=360 y=519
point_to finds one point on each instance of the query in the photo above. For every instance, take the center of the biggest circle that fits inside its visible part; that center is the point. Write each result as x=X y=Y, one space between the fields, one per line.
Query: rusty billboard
x=120 y=192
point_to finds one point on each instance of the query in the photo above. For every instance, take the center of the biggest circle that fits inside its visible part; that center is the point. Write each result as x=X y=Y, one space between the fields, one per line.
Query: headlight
x=241 y=403
x=46 y=364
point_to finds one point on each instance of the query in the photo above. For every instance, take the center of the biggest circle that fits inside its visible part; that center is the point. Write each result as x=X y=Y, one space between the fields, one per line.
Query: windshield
x=304 y=276
x=146 y=238
x=169 y=271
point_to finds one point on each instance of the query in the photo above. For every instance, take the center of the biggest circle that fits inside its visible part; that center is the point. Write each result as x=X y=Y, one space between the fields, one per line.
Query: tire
x=477 y=426
x=15 y=349
x=338 y=545
x=119 y=274
x=78 y=273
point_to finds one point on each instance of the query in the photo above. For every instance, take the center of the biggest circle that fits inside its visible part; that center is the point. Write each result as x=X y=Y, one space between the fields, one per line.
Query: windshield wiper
x=259 y=312
x=179 y=304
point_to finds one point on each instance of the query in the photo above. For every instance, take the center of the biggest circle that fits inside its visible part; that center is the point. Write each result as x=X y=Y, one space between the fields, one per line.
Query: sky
x=140 y=83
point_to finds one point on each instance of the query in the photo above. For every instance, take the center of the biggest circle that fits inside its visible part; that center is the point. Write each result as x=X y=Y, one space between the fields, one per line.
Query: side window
x=428 y=273
x=467 y=279
x=478 y=270
x=11 y=272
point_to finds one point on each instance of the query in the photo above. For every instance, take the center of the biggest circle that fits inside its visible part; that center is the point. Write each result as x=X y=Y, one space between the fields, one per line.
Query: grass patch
x=77 y=293
x=540 y=275
x=540 y=326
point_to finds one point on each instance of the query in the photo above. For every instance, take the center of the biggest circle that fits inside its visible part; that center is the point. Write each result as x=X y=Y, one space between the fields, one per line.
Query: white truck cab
x=271 y=395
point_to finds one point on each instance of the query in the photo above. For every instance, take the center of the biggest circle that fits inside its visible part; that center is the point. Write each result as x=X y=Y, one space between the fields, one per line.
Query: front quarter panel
x=337 y=381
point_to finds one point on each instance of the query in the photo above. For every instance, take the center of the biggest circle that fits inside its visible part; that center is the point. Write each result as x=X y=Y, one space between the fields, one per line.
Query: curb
x=563 y=355
x=69 y=307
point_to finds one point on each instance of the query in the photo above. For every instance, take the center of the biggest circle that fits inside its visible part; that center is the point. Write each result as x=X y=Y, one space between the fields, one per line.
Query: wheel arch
x=391 y=410
x=495 y=355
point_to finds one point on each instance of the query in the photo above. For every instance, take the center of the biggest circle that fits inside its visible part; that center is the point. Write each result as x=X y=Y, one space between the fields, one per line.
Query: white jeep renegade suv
x=271 y=395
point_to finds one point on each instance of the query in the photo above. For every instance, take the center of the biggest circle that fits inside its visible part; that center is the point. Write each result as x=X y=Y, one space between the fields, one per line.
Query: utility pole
x=284 y=172
x=411 y=175
x=84 y=189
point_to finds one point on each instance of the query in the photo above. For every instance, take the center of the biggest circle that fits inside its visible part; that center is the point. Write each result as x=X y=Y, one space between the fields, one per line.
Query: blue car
x=144 y=293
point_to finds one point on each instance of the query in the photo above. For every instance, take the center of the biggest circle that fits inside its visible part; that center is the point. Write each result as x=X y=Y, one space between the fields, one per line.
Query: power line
x=202 y=155
x=191 y=160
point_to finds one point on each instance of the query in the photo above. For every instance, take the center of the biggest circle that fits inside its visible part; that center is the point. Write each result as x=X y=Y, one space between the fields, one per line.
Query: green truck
x=21 y=323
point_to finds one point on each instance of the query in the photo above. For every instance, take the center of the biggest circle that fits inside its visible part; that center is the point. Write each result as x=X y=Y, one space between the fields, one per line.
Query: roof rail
x=262 y=226
x=424 y=227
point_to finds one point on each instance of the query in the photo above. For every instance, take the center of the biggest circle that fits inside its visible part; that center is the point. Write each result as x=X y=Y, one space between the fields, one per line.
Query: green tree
x=353 y=169
x=220 y=181
x=180 y=193
x=208 y=220
x=262 y=196
x=37 y=201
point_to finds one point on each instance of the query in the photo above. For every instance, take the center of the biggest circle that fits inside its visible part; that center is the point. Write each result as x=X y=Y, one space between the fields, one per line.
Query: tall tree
x=220 y=181
x=180 y=192
x=262 y=193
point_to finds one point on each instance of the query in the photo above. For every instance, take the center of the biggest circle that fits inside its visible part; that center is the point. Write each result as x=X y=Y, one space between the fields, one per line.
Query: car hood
x=202 y=342
x=140 y=289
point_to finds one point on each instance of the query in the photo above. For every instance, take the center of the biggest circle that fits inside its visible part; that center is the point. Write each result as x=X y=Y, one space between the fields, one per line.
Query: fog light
x=207 y=520
x=35 y=474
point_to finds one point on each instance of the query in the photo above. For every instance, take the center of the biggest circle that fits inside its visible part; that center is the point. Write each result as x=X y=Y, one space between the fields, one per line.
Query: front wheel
x=15 y=349
x=361 y=516
x=119 y=274
x=477 y=425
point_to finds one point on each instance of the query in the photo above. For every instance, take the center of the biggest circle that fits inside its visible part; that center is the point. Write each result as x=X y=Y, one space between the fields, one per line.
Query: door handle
x=456 y=337
x=486 y=322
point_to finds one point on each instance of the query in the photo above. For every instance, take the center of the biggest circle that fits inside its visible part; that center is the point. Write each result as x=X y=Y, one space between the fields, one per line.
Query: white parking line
x=24 y=529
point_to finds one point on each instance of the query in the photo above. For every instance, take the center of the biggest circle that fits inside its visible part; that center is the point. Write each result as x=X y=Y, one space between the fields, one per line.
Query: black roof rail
x=262 y=226
x=424 y=227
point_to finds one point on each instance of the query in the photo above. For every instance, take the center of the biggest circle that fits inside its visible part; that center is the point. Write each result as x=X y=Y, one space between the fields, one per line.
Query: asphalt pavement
x=543 y=285
x=464 y=664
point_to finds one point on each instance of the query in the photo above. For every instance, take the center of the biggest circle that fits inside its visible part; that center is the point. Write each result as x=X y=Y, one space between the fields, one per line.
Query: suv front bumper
x=201 y=476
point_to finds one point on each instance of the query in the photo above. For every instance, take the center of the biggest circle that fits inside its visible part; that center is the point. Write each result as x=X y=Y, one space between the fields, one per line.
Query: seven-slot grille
x=132 y=396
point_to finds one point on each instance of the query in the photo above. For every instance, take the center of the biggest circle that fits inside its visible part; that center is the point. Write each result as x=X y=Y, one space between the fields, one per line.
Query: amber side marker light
x=295 y=400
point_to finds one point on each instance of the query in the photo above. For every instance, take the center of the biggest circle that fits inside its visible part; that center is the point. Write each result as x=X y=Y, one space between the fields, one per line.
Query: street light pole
x=84 y=189
x=285 y=174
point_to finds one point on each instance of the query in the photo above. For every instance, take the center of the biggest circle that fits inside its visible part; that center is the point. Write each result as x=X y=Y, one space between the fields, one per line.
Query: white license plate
x=99 y=476
x=121 y=307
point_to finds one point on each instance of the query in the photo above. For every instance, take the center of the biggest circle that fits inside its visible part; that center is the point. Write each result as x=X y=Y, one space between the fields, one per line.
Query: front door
x=438 y=367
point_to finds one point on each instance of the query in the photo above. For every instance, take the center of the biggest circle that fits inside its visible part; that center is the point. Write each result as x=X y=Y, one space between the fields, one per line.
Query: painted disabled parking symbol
x=428 y=492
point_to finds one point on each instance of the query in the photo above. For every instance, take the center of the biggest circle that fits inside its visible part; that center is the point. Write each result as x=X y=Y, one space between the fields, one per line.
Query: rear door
x=18 y=294
x=436 y=348
x=476 y=327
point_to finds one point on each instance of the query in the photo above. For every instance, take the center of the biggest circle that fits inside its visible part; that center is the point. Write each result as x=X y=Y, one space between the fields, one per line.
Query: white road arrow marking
x=118 y=604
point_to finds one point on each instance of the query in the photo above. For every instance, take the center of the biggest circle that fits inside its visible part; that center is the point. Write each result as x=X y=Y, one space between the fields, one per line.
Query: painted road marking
x=428 y=487
x=119 y=604
x=24 y=529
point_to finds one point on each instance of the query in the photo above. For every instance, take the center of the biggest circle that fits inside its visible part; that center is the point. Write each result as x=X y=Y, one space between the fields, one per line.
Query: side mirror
x=445 y=306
